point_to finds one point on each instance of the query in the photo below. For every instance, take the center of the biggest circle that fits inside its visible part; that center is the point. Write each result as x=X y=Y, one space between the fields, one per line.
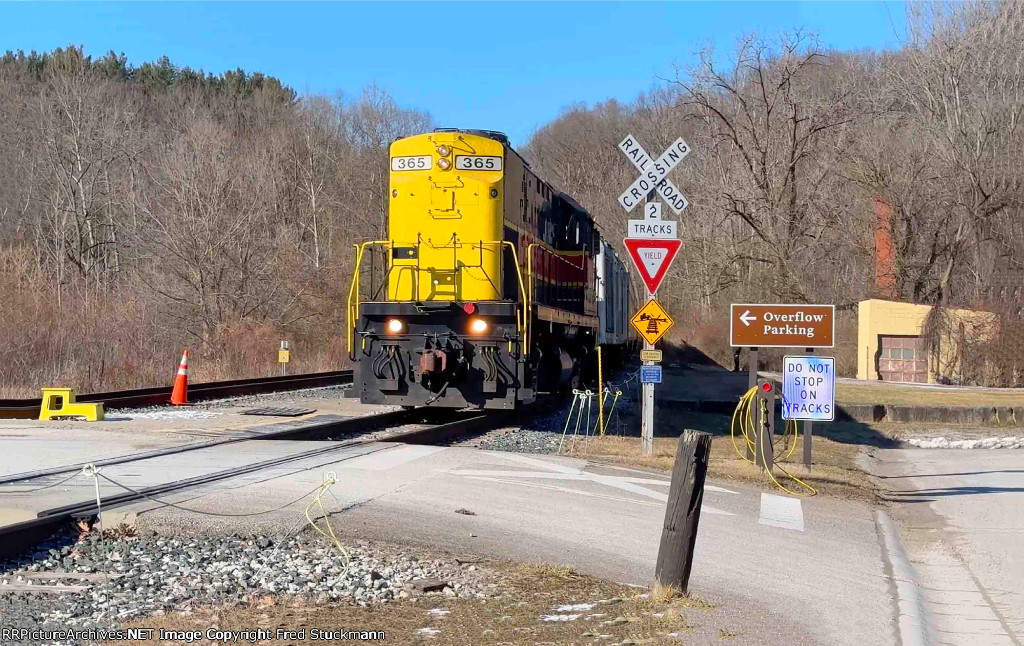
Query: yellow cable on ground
x=746 y=416
x=329 y=481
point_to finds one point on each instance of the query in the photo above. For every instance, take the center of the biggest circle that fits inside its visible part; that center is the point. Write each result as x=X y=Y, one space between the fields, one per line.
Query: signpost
x=754 y=325
x=809 y=393
x=652 y=243
x=782 y=326
x=809 y=388
x=650 y=374
x=652 y=258
x=650 y=355
x=652 y=322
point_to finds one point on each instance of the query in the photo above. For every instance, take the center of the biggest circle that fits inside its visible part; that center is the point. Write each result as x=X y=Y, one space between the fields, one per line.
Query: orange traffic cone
x=179 y=394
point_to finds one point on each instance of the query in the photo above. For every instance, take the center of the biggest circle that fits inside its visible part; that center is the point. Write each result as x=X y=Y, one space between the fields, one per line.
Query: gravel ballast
x=162 y=574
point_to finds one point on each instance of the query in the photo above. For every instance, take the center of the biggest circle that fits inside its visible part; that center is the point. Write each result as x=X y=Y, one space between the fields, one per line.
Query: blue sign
x=809 y=388
x=650 y=374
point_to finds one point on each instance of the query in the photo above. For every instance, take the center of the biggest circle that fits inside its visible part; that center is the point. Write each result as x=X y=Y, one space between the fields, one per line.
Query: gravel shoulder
x=304 y=582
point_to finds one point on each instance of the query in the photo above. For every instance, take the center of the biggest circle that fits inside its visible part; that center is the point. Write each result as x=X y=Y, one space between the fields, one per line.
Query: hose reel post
x=765 y=424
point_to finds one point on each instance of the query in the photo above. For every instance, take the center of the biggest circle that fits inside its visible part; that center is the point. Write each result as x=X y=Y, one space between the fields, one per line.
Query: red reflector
x=469 y=308
x=766 y=387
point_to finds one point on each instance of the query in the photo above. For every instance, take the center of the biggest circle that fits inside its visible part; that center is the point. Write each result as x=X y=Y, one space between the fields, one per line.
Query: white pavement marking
x=782 y=511
x=705 y=508
x=561 y=472
x=386 y=460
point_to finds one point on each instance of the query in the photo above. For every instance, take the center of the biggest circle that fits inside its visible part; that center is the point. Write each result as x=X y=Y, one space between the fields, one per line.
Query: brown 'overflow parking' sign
x=782 y=326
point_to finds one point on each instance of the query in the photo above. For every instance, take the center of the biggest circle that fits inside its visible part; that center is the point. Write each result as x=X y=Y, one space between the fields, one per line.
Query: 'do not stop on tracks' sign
x=781 y=326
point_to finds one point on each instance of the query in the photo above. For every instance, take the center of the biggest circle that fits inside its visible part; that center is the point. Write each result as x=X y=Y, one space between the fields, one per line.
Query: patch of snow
x=438 y=611
x=1008 y=442
x=573 y=607
x=560 y=617
x=428 y=631
x=182 y=413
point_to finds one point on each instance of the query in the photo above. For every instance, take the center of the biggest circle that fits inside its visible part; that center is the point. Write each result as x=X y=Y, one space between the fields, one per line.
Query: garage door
x=903 y=359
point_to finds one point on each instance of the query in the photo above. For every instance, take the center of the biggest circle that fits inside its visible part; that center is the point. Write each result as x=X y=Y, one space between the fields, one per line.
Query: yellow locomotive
x=494 y=285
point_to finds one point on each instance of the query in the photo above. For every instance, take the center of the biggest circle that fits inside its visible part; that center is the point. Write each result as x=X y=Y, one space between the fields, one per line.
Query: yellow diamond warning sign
x=652 y=321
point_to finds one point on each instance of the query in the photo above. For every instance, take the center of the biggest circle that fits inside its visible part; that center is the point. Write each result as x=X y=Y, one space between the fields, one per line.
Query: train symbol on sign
x=652 y=322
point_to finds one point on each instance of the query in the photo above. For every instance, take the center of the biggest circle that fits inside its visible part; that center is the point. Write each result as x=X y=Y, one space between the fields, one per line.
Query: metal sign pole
x=751 y=383
x=647 y=428
x=652 y=244
x=808 y=433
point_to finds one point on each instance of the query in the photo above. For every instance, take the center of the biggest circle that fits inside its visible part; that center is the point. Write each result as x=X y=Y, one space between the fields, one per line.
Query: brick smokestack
x=885 y=255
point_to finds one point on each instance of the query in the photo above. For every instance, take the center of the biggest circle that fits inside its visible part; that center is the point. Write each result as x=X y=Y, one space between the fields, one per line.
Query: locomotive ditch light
x=477 y=326
x=395 y=326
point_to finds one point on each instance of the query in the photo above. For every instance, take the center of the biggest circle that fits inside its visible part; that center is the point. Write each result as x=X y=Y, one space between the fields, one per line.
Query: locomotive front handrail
x=353 y=293
x=522 y=313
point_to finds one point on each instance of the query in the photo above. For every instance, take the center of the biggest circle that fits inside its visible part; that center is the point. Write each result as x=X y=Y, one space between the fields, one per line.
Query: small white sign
x=652 y=210
x=809 y=388
x=656 y=229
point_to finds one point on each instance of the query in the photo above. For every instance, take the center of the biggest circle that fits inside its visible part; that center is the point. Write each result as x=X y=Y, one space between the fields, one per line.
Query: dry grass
x=511 y=616
x=99 y=341
x=900 y=394
x=834 y=471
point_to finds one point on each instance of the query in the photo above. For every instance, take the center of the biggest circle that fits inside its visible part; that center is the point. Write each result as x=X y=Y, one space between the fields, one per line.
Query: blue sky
x=501 y=66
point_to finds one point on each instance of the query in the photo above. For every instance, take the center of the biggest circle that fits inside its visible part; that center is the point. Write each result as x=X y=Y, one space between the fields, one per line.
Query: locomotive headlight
x=395 y=326
x=444 y=164
x=443 y=150
x=477 y=326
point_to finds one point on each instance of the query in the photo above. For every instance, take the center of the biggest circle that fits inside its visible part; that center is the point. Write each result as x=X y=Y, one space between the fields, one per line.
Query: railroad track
x=417 y=426
x=29 y=408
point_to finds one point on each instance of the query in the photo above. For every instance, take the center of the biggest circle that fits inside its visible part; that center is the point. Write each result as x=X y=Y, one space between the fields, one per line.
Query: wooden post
x=675 y=554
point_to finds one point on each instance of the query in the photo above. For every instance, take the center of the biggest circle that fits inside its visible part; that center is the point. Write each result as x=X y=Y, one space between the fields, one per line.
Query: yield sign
x=652 y=258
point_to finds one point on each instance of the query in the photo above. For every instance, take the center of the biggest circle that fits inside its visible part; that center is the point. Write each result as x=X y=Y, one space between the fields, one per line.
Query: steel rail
x=29 y=408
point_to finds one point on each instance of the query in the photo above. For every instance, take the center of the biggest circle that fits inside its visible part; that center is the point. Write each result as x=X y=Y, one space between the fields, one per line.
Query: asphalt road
x=961 y=514
x=778 y=569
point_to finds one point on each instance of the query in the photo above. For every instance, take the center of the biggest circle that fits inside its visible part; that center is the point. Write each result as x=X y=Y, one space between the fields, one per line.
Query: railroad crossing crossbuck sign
x=652 y=242
x=652 y=174
x=652 y=321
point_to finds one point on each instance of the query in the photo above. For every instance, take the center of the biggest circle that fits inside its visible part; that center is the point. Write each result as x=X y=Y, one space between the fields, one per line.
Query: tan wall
x=876 y=317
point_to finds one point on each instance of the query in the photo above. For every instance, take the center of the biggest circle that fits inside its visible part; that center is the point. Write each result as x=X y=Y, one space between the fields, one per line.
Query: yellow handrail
x=522 y=317
x=353 y=292
x=524 y=330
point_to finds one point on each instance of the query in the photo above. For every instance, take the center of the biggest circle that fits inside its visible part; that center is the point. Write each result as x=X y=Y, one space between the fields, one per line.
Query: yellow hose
x=746 y=415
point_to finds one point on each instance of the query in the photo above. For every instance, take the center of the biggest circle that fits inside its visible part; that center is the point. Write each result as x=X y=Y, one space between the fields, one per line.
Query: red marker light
x=469 y=308
x=767 y=387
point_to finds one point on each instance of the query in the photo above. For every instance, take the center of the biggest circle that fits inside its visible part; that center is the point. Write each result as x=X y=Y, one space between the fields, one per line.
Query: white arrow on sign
x=653 y=174
x=747 y=317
